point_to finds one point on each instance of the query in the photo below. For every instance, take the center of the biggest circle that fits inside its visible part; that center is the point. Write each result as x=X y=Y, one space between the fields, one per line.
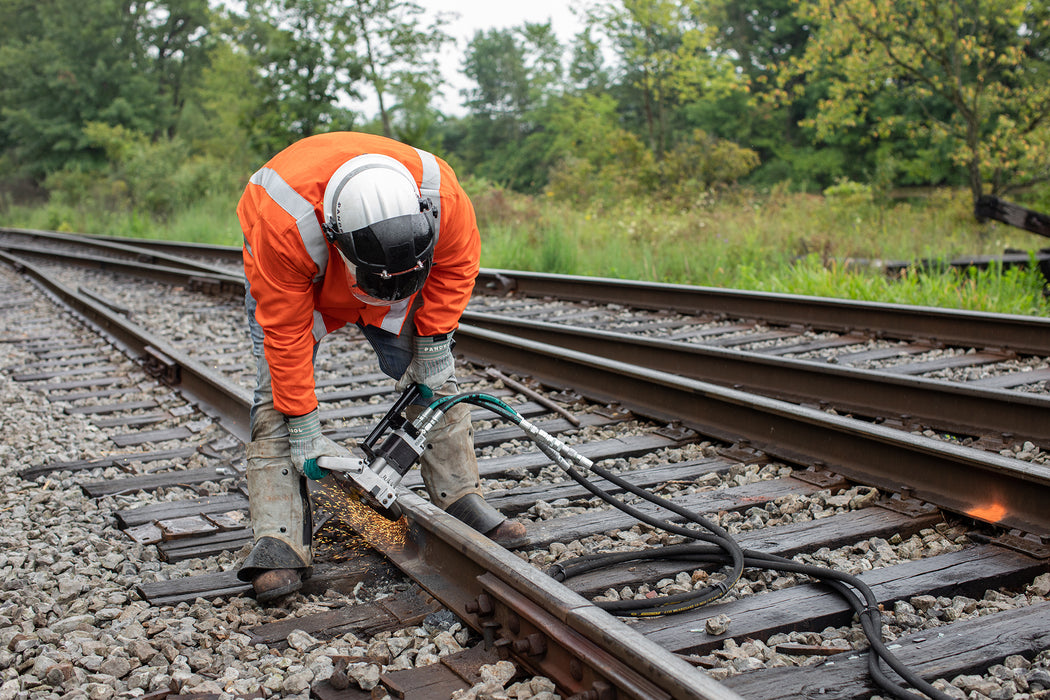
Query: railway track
x=944 y=526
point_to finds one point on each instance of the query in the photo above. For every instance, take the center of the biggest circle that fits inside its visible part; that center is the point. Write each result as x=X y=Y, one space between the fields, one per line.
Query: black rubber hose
x=723 y=549
x=666 y=605
x=863 y=602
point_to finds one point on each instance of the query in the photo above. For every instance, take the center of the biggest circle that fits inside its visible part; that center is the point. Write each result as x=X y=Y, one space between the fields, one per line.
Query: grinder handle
x=394 y=414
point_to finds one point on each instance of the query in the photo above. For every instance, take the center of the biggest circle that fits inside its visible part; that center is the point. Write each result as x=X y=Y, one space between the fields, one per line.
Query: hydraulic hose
x=719 y=548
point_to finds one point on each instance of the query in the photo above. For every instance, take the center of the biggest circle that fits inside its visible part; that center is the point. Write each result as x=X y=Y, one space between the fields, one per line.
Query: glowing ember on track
x=991 y=513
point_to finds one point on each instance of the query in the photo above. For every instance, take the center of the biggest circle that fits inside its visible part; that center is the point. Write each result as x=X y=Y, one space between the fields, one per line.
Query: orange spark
x=349 y=509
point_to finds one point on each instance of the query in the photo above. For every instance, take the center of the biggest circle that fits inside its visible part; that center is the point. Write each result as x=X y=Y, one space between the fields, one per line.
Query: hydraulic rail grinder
x=374 y=478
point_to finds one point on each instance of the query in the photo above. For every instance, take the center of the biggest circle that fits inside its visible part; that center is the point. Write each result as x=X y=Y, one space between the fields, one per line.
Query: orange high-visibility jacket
x=299 y=280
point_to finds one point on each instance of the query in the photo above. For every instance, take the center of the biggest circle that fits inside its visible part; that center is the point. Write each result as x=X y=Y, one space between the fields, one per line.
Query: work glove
x=307 y=443
x=432 y=364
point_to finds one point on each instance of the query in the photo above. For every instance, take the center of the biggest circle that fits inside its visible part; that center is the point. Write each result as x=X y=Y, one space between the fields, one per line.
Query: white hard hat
x=369 y=188
x=381 y=226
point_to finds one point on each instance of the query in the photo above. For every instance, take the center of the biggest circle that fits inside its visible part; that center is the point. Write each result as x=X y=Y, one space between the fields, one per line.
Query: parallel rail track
x=513 y=604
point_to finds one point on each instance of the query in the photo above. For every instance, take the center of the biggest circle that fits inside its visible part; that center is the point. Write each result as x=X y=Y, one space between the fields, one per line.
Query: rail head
x=217 y=396
x=138 y=252
x=978 y=484
x=525 y=614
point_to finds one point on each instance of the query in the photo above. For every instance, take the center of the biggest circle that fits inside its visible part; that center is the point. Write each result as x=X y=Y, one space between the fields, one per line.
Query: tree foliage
x=515 y=73
x=67 y=64
x=148 y=104
x=760 y=35
x=975 y=70
x=398 y=50
x=663 y=52
x=304 y=69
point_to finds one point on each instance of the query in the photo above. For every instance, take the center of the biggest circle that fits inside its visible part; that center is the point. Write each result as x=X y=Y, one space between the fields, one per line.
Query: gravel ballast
x=72 y=625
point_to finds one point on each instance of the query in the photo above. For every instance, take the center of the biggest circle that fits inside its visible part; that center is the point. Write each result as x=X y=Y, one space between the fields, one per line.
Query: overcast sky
x=486 y=14
x=477 y=15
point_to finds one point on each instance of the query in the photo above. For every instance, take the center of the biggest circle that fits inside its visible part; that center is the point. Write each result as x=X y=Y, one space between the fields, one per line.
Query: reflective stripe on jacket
x=298 y=279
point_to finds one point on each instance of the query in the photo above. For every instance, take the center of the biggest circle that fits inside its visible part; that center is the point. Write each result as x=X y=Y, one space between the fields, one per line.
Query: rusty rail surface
x=945 y=405
x=121 y=258
x=547 y=628
x=134 y=249
x=978 y=484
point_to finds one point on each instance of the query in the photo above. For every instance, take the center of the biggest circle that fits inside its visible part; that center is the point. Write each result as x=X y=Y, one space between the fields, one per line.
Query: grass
x=211 y=220
x=777 y=242
x=786 y=243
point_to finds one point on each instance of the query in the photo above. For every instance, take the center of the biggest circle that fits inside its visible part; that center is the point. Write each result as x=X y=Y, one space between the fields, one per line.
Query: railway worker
x=347 y=228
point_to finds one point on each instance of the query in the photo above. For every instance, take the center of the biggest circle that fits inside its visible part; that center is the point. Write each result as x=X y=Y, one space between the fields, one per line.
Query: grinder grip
x=391 y=418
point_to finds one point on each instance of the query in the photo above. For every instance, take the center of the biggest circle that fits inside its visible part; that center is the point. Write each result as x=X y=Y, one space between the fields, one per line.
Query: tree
x=506 y=84
x=306 y=68
x=592 y=156
x=587 y=71
x=646 y=34
x=978 y=71
x=760 y=35
x=415 y=117
x=176 y=36
x=595 y=159
x=67 y=63
x=399 y=54
x=218 y=118
x=516 y=72
x=664 y=54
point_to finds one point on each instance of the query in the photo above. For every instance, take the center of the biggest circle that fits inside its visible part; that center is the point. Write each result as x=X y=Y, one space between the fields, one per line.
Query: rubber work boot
x=509 y=534
x=280 y=513
x=448 y=464
x=472 y=510
x=449 y=469
x=272 y=584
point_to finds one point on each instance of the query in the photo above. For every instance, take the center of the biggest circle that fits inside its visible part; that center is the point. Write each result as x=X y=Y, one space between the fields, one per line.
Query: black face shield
x=384 y=288
x=389 y=260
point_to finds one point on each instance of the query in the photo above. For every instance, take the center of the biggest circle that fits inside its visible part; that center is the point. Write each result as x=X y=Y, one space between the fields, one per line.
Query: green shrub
x=624 y=170
x=694 y=167
x=848 y=192
x=151 y=178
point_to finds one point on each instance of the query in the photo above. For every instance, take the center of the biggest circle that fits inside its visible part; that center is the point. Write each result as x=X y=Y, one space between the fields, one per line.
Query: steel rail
x=522 y=612
x=228 y=254
x=159 y=273
x=1024 y=334
x=138 y=252
x=949 y=406
x=978 y=484
x=214 y=394
x=550 y=629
